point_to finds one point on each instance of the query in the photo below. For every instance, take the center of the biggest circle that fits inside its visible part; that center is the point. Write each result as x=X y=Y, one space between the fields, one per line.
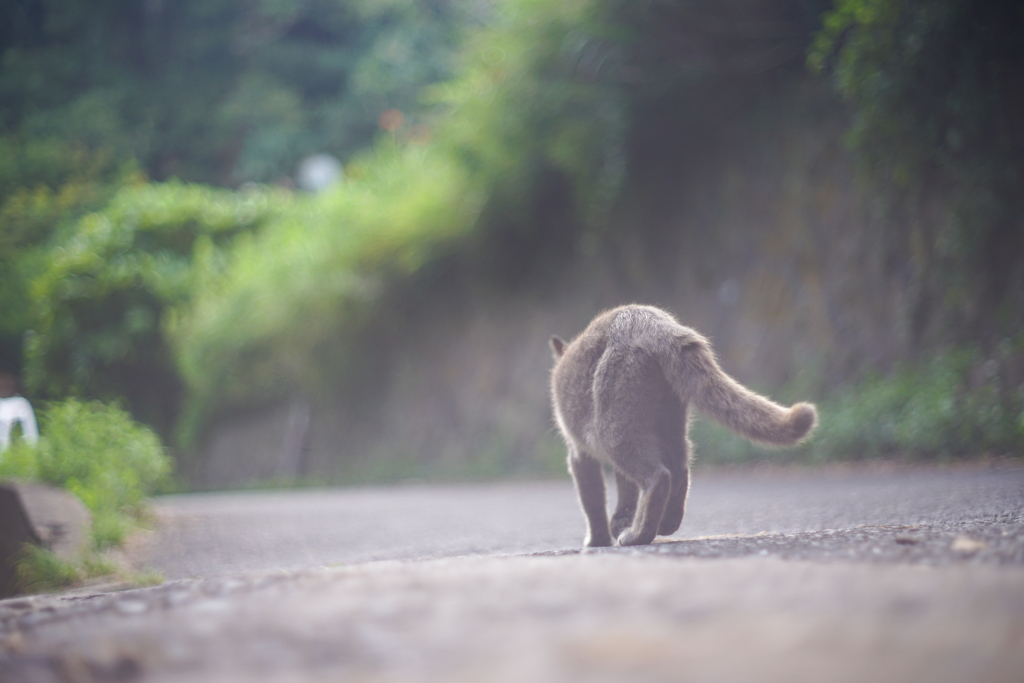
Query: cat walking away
x=621 y=392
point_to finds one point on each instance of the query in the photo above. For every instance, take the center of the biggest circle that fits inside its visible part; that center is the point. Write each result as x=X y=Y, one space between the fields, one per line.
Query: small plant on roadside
x=98 y=453
x=39 y=570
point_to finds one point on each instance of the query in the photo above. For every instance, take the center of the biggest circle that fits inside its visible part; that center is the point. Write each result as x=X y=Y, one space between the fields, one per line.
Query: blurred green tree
x=99 y=95
x=222 y=91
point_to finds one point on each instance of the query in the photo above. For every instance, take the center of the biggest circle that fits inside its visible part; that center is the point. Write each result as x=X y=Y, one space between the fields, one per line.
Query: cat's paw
x=620 y=524
x=630 y=537
x=597 y=541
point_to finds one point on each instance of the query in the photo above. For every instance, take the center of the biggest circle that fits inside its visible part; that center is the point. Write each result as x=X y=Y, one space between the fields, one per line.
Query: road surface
x=205 y=535
x=881 y=574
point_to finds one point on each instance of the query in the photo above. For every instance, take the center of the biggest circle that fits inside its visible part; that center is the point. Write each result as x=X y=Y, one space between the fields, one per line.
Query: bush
x=99 y=454
x=954 y=404
x=280 y=311
x=45 y=186
x=101 y=297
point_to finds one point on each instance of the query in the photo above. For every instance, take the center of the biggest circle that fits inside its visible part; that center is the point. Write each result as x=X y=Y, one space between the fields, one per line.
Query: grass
x=97 y=453
x=42 y=571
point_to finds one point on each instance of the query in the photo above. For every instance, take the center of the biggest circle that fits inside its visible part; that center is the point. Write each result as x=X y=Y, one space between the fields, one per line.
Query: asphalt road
x=840 y=575
x=206 y=535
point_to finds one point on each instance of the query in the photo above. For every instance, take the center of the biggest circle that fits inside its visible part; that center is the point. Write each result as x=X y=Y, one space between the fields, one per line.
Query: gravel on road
x=581 y=617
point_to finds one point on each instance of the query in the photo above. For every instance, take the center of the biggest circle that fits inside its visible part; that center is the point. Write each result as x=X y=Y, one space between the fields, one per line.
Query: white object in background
x=319 y=172
x=17 y=409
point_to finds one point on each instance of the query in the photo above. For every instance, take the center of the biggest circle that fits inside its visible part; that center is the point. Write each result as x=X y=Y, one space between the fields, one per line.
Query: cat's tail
x=693 y=372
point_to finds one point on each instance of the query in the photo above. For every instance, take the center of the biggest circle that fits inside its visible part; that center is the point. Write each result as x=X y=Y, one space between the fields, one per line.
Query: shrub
x=956 y=403
x=257 y=327
x=99 y=454
x=101 y=297
x=960 y=403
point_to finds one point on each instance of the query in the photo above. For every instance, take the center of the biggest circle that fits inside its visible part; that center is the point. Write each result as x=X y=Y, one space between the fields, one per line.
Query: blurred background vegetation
x=832 y=190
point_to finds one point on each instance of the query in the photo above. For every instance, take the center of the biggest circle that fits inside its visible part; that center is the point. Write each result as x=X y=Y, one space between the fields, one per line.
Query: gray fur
x=621 y=392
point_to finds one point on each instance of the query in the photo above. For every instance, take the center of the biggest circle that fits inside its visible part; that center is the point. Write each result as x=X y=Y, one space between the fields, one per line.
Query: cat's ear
x=557 y=345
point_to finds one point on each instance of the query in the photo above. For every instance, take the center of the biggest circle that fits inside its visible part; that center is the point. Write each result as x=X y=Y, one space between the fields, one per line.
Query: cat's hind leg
x=586 y=472
x=625 y=507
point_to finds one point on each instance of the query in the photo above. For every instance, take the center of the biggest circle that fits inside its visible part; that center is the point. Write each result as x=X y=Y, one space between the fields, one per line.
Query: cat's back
x=629 y=325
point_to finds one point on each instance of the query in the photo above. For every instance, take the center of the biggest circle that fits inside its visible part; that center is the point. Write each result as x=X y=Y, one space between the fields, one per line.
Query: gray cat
x=621 y=391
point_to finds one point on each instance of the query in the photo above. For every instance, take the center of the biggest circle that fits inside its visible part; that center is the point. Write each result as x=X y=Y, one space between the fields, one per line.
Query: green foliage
x=188 y=302
x=572 y=111
x=99 y=454
x=45 y=185
x=19 y=460
x=281 y=315
x=527 y=143
x=526 y=99
x=150 y=299
x=39 y=570
x=258 y=326
x=955 y=404
x=222 y=91
x=938 y=98
x=105 y=288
